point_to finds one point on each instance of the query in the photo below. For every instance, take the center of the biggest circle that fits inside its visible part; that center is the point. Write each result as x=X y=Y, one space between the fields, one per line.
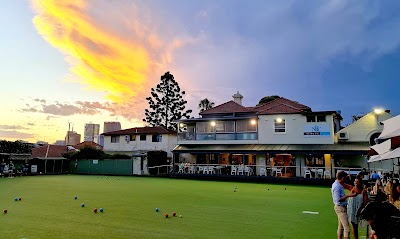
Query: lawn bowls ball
x=174 y=214
x=166 y=215
x=5 y=211
x=156 y=209
x=19 y=199
x=95 y=210
x=16 y=199
x=75 y=197
x=83 y=205
x=101 y=209
x=180 y=216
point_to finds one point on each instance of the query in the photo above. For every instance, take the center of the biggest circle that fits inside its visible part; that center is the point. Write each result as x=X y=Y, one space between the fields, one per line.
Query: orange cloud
x=102 y=59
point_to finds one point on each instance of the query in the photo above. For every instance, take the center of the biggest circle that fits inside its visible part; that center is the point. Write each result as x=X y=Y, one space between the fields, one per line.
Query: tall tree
x=166 y=104
x=205 y=104
x=267 y=99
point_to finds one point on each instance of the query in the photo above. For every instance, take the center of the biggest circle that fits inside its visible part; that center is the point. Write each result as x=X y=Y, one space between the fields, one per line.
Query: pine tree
x=166 y=104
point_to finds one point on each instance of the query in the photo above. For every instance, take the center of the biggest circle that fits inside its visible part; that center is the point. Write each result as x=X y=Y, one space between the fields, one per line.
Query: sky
x=90 y=61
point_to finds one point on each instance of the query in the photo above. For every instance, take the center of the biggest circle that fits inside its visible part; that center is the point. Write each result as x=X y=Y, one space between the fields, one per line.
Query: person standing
x=355 y=205
x=340 y=204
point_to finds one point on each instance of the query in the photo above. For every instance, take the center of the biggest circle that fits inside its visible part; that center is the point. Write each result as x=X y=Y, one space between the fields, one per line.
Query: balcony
x=217 y=136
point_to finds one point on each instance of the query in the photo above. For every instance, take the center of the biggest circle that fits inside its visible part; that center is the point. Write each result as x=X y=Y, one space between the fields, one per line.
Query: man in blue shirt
x=375 y=176
x=339 y=200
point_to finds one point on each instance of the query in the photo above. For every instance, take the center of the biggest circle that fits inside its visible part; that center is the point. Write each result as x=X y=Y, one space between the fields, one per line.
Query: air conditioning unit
x=127 y=138
x=344 y=136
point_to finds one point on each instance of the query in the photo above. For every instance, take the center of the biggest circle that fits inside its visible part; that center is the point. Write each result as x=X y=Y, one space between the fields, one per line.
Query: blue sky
x=329 y=55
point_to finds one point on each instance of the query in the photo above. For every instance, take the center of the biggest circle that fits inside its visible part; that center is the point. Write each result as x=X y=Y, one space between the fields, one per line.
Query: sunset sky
x=95 y=60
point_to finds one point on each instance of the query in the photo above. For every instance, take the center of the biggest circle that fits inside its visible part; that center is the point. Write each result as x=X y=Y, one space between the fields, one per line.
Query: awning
x=391 y=128
x=374 y=158
x=391 y=154
x=347 y=148
x=382 y=147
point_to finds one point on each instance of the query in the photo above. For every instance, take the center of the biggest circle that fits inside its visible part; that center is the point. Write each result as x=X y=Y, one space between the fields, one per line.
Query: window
x=115 y=139
x=280 y=126
x=225 y=126
x=245 y=126
x=311 y=118
x=321 y=118
x=132 y=137
x=316 y=118
x=142 y=137
x=156 y=138
x=204 y=127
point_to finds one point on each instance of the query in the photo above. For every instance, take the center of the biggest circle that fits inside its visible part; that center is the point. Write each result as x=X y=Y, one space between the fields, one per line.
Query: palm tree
x=205 y=104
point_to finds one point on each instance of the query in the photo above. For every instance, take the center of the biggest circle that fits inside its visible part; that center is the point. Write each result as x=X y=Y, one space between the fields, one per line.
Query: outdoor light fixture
x=253 y=122
x=378 y=111
x=181 y=125
x=279 y=120
x=213 y=123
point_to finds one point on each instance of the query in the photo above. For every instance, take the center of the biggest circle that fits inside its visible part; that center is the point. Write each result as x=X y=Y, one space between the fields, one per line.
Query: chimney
x=238 y=98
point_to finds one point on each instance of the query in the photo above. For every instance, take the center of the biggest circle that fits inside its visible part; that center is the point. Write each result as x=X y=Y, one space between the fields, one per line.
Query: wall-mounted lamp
x=378 y=111
x=212 y=123
x=279 y=120
x=253 y=121
x=181 y=125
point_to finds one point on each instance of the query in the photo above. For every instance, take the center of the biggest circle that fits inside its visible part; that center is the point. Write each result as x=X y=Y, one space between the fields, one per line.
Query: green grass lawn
x=208 y=209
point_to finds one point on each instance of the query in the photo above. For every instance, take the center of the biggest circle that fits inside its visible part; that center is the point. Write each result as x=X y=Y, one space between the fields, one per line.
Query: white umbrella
x=391 y=128
x=382 y=147
x=374 y=158
x=391 y=154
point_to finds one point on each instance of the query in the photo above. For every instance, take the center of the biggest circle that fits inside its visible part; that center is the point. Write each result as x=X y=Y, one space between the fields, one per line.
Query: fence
x=102 y=166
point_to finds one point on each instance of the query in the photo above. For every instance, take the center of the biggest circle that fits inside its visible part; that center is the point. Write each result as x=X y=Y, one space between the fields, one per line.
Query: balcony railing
x=217 y=136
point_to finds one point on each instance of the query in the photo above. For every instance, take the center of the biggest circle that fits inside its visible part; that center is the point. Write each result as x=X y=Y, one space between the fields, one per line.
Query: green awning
x=346 y=148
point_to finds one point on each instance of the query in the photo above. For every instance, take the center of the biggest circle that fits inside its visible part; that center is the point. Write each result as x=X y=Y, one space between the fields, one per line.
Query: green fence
x=102 y=166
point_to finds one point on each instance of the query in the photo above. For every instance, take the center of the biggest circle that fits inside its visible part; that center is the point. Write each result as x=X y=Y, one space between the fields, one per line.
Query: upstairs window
x=156 y=138
x=204 y=127
x=321 y=118
x=132 y=137
x=246 y=126
x=115 y=139
x=316 y=118
x=311 y=118
x=225 y=127
x=142 y=137
x=280 y=125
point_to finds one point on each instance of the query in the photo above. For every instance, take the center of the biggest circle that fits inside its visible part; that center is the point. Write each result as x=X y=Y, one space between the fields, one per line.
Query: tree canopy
x=205 y=104
x=166 y=104
x=267 y=99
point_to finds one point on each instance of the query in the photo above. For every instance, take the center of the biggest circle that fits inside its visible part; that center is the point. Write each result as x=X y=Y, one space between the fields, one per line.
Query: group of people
x=9 y=169
x=363 y=202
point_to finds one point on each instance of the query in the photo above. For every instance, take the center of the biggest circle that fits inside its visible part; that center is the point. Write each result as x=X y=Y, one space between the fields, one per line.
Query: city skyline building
x=91 y=133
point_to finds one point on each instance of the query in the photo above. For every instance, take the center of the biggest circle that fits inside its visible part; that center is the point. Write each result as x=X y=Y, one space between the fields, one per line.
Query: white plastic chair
x=200 y=169
x=263 y=172
x=327 y=173
x=319 y=172
x=240 y=170
x=248 y=170
x=181 y=169
x=211 y=169
x=307 y=172
x=277 y=171
x=192 y=169
x=205 y=170
x=233 y=170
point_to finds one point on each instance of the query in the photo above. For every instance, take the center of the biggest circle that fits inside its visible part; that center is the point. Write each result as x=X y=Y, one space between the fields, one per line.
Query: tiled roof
x=281 y=106
x=279 y=109
x=88 y=144
x=141 y=130
x=49 y=151
x=228 y=107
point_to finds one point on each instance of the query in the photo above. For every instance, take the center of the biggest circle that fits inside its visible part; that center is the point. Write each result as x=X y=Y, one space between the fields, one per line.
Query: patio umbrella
x=391 y=154
x=391 y=128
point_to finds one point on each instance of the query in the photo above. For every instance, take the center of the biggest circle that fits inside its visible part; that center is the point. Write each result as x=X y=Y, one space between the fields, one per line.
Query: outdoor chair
x=211 y=169
x=233 y=170
x=277 y=171
x=263 y=172
x=205 y=170
x=327 y=173
x=319 y=172
x=247 y=170
x=192 y=169
x=181 y=170
x=200 y=169
x=307 y=172
x=240 y=170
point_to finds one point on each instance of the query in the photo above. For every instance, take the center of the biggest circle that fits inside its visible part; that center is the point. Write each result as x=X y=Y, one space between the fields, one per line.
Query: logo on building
x=316 y=130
